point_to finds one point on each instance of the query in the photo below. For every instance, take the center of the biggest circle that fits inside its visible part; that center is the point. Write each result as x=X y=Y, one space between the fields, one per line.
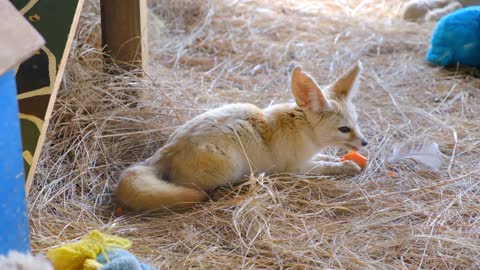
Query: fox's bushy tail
x=139 y=188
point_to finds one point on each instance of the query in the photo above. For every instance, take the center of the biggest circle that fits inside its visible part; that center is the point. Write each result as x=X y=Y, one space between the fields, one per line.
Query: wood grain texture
x=124 y=32
x=19 y=40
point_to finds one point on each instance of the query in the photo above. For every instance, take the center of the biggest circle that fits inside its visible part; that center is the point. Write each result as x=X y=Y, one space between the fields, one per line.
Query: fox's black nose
x=364 y=142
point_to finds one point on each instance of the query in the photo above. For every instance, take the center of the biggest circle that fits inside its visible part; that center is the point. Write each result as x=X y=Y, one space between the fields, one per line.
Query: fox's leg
x=331 y=168
x=207 y=166
x=322 y=157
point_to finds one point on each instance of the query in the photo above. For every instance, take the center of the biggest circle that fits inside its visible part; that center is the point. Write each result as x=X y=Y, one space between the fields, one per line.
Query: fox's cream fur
x=223 y=145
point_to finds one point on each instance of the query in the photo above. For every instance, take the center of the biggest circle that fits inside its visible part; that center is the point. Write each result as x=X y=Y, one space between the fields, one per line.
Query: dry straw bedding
x=392 y=216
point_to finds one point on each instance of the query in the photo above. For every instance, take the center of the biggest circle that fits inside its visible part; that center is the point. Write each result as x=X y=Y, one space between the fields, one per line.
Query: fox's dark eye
x=344 y=129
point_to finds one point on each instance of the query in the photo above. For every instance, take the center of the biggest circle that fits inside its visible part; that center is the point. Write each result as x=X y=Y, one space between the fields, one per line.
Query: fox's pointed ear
x=307 y=93
x=346 y=86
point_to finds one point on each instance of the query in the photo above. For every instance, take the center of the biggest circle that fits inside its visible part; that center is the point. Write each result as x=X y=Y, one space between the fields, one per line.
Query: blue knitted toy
x=456 y=39
x=120 y=259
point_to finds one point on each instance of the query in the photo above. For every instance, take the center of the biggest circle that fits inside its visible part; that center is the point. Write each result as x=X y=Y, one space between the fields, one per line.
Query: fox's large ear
x=307 y=93
x=346 y=86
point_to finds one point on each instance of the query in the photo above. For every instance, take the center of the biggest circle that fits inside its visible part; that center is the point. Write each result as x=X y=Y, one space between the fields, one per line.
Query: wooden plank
x=39 y=78
x=19 y=39
x=124 y=32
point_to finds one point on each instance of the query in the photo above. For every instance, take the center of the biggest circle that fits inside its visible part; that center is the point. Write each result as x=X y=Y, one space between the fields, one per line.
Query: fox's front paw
x=332 y=168
x=321 y=157
x=350 y=167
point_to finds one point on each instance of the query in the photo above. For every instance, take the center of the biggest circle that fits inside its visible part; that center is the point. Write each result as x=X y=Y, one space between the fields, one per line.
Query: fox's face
x=338 y=127
x=331 y=113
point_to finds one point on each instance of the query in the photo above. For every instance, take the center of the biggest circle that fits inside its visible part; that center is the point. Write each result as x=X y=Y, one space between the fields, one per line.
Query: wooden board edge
x=53 y=96
x=144 y=35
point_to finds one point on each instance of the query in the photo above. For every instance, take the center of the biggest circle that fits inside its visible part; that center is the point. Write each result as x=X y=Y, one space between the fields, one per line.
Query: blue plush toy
x=456 y=39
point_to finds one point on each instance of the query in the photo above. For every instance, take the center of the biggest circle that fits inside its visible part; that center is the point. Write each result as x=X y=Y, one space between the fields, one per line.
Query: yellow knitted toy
x=82 y=255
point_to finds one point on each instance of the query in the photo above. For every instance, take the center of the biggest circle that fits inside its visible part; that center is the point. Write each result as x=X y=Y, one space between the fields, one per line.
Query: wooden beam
x=124 y=32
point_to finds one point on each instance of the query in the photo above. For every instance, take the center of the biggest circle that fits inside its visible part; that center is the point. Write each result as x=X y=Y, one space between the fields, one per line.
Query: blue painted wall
x=14 y=229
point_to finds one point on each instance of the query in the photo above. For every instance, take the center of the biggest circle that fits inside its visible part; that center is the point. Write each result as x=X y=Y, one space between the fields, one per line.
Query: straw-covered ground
x=203 y=54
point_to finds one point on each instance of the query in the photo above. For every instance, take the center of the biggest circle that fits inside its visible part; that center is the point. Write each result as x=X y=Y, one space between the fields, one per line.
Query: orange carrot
x=118 y=212
x=357 y=158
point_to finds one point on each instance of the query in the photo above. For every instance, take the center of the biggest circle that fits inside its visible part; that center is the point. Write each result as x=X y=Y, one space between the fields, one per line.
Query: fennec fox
x=223 y=145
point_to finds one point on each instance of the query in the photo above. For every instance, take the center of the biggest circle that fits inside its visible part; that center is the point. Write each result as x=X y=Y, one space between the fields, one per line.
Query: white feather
x=428 y=155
